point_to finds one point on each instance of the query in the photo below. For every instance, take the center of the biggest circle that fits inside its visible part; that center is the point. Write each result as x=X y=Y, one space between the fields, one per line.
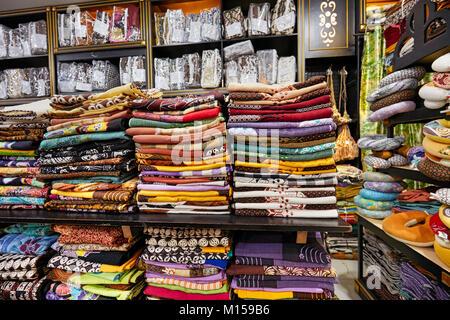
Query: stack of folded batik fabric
x=181 y=155
x=343 y=247
x=271 y=265
x=21 y=130
x=95 y=263
x=186 y=263
x=349 y=183
x=87 y=155
x=283 y=149
x=25 y=250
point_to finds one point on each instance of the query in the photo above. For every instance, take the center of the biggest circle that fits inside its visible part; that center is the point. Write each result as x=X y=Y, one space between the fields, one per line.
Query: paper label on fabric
x=98 y=75
x=285 y=74
x=139 y=75
x=81 y=86
x=100 y=27
x=39 y=40
x=285 y=21
x=80 y=31
x=178 y=35
x=161 y=83
x=194 y=33
x=210 y=30
x=41 y=88
x=3 y=90
x=177 y=77
x=26 y=87
x=259 y=25
x=66 y=86
x=233 y=29
x=126 y=78
x=248 y=78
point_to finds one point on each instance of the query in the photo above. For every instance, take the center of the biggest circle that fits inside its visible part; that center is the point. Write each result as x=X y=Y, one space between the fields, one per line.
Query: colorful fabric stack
x=24 y=253
x=181 y=155
x=349 y=184
x=86 y=153
x=417 y=200
x=343 y=247
x=440 y=224
x=21 y=130
x=186 y=263
x=95 y=263
x=283 y=149
x=271 y=265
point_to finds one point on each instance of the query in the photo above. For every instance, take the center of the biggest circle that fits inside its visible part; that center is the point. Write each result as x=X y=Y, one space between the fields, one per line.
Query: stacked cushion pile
x=95 y=263
x=24 y=253
x=395 y=94
x=377 y=197
x=386 y=152
x=436 y=93
x=349 y=184
x=181 y=155
x=21 y=130
x=436 y=143
x=440 y=224
x=186 y=263
x=86 y=153
x=271 y=265
x=283 y=149
x=417 y=200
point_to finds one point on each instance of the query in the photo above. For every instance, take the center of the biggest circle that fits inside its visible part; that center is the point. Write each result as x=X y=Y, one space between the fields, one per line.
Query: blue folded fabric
x=26 y=244
x=379 y=196
x=82 y=138
x=374 y=214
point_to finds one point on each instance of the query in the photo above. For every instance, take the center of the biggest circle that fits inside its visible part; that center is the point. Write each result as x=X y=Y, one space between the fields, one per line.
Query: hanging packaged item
x=112 y=76
x=192 y=70
x=267 y=66
x=98 y=75
x=193 y=28
x=162 y=73
x=211 y=24
x=14 y=44
x=176 y=75
x=67 y=75
x=3 y=86
x=234 y=23
x=40 y=82
x=283 y=17
x=138 y=71
x=125 y=70
x=26 y=87
x=259 y=17
x=4 y=41
x=84 y=77
x=248 y=69
x=101 y=27
x=211 y=69
x=231 y=72
x=287 y=67
x=119 y=24
x=66 y=30
x=133 y=24
x=14 y=78
x=176 y=24
x=83 y=24
x=38 y=37
x=235 y=50
x=159 y=18
x=24 y=29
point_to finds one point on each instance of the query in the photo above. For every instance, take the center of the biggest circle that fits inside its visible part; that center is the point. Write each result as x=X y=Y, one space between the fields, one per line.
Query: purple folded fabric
x=179 y=265
x=255 y=261
x=207 y=279
x=263 y=277
x=21 y=164
x=286 y=285
x=181 y=188
x=274 y=125
x=290 y=132
x=216 y=171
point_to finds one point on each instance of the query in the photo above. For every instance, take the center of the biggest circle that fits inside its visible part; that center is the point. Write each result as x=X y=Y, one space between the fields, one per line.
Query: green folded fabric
x=106 y=179
x=270 y=150
x=289 y=157
x=126 y=277
x=115 y=293
x=224 y=288
x=137 y=122
x=82 y=138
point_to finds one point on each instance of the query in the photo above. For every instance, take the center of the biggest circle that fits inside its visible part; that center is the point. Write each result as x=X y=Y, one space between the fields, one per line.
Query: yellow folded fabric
x=190 y=168
x=208 y=161
x=17 y=152
x=287 y=164
x=267 y=295
x=435 y=148
x=185 y=198
x=215 y=249
x=81 y=112
x=126 y=266
x=13 y=171
x=286 y=95
x=152 y=193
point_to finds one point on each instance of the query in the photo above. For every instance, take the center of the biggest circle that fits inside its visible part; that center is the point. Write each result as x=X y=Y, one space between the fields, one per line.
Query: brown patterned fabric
x=405 y=95
x=434 y=170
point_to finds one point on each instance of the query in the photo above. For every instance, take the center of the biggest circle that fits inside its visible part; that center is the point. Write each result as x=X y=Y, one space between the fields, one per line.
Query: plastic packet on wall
x=40 y=82
x=231 y=72
x=101 y=29
x=248 y=69
x=235 y=50
x=65 y=30
x=159 y=28
x=267 y=65
x=211 y=69
x=14 y=44
x=133 y=24
x=286 y=69
x=138 y=71
x=193 y=28
x=24 y=29
x=26 y=87
x=125 y=70
x=259 y=19
x=112 y=76
x=3 y=86
x=84 y=77
x=192 y=70
x=14 y=80
x=211 y=24
x=83 y=24
x=119 y=24
x=4 y=41
x=38 y=37
x=176 y=75
x=283 y=17
x=233 y=22
x=98 y=75
x=67 y=75
x=176 y=23
x=162 y=73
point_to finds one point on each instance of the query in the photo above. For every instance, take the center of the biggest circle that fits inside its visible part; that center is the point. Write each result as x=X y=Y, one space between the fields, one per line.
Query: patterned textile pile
x=95 y=263
x=186 y=263
x=343 y=247
x=271 y=265
x=86 y=153
x=21 y=130
x=181 y=155
x=349 y=183
x=283 y=149
x=24 y=252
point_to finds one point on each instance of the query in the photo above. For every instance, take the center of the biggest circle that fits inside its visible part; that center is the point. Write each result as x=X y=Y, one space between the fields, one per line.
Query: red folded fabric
x=180 y=295
x=176 y=180
x=310 y=115
x=307 y=103
x=109 y=116
x=393 y=32
x=193 y=116
x=214 y=131
x=233 y=112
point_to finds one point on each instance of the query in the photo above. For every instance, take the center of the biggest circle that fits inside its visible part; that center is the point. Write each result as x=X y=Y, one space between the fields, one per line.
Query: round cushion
x=374 y=214
x=433 y=93
x=411 y=227
x=442 y=64
x=443 y=162
x=379 y=196
x=434 y=170
x=382 y=154
x=438 y=227
x=372 y=204
x=435 y=148
x=444 y=215
x=435 y=130
x=383 y=186
x=378 y=176
x=442 y=253
x=442 y=242
x=442 y=195
x=392 y=110
x=397 y=160
x=415 y=150
x=404 y=84
x=375 y=162
x=442 y=80
x=380 y=142
x=445 y=122
x=396 y=97
x=434 y=104
x=417 y=72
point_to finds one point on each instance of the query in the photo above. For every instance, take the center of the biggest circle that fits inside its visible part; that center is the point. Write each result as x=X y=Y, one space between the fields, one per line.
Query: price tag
x=233 y=29
x=101 y=27
x=259 y=25
x=285 y=21
x=81 y=31
x=161 y=83
x=82 y=86
x=139 y=75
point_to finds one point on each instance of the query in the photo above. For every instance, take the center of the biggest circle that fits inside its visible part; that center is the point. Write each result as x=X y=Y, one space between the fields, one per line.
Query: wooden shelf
x=40 y=56
x=13 y=102
x=413 y=174
x=227 y=222
x=97 y=47
x=419 y=115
